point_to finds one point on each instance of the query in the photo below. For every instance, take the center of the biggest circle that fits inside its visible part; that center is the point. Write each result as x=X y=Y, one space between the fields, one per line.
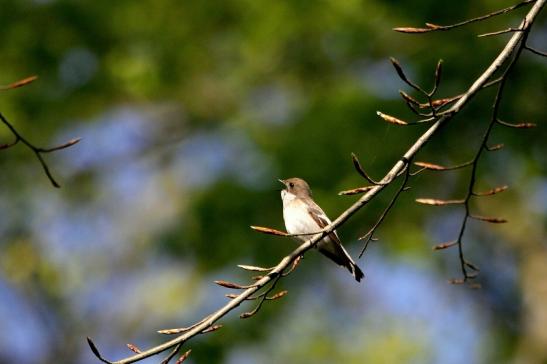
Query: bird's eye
x=291 y=185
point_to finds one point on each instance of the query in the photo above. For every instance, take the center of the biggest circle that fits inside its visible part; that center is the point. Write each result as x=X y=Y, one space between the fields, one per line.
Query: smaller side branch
x=369 y=236
x=465 y=265
x=435 y=27
x=36 y=150
x=499 y=32
x=535 y=51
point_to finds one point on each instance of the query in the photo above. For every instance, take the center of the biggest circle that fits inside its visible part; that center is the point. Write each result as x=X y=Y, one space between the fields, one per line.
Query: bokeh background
x=190 y=111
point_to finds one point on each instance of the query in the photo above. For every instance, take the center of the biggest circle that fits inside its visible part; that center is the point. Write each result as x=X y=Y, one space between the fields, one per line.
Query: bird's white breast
x=296 y=216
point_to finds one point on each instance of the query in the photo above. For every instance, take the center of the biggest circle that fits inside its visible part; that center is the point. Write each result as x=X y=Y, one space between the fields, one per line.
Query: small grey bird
x=302 y=215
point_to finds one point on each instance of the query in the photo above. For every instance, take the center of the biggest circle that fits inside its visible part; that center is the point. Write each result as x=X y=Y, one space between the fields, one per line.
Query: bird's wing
x=321 y=219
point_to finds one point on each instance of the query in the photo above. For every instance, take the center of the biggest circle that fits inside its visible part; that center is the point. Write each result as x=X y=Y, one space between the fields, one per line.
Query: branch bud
x=278 y=295
x=211 y=329
x=253 y=268
x=134 y=348
x=183 y=357
x=391 y=119
x=493 y=191
x=431 y=166
x=355 y=191
x=269 y=231
x=20 y=83
x=493 y=220
x=436 y=202
x=445 y=245
x=230 y=285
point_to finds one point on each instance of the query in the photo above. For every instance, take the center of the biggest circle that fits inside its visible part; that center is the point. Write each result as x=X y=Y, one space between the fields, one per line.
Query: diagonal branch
x=397 y=169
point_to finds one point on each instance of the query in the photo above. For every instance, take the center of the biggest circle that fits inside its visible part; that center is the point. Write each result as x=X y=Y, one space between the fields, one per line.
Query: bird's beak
x=283 y=181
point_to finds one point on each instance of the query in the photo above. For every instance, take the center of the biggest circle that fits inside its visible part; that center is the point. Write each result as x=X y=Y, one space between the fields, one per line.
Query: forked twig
x=36 y=150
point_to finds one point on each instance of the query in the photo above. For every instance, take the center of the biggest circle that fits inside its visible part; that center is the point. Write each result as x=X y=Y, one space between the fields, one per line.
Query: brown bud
x=408 y=98
x=278 y=295
x=439 y=102
x=433 y=26
x=495 y=147
x=493 y=220
x=245 y=315
x=355 y=191
x=518 y=125
x=229 y=285
x=445 y=245
x=525 y=125
x=270 y=231
x=134 y=348
x=183 y=357
x=434 y=167
x=253 y=268
x=211 y=329
x=391 y=119
x=436 y=202
x=20 y=83
x=174 y=331
x=411 y=30
x=493 y=191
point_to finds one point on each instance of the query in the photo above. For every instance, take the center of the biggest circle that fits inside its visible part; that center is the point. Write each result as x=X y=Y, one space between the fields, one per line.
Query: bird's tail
x=340 y=256
x=356 y=271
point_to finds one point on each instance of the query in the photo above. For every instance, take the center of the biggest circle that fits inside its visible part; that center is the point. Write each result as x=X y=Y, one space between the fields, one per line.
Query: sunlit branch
x=512 y=48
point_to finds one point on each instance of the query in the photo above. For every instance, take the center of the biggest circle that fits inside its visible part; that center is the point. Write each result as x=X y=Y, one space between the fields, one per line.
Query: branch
x=391 y=175
x=465 y=265
x=369 y=236
x=535 y=51
x=36 y=150
x=436 y=27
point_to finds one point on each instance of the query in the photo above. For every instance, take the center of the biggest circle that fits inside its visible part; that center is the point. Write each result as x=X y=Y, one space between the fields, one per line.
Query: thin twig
x=36 y=150
x=436 y=27
x=369 y=236
x=171 y=354
x=535 y=51
x=499 y=32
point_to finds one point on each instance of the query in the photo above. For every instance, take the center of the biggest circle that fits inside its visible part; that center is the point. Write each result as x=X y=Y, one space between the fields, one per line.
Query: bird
x=302 y=216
